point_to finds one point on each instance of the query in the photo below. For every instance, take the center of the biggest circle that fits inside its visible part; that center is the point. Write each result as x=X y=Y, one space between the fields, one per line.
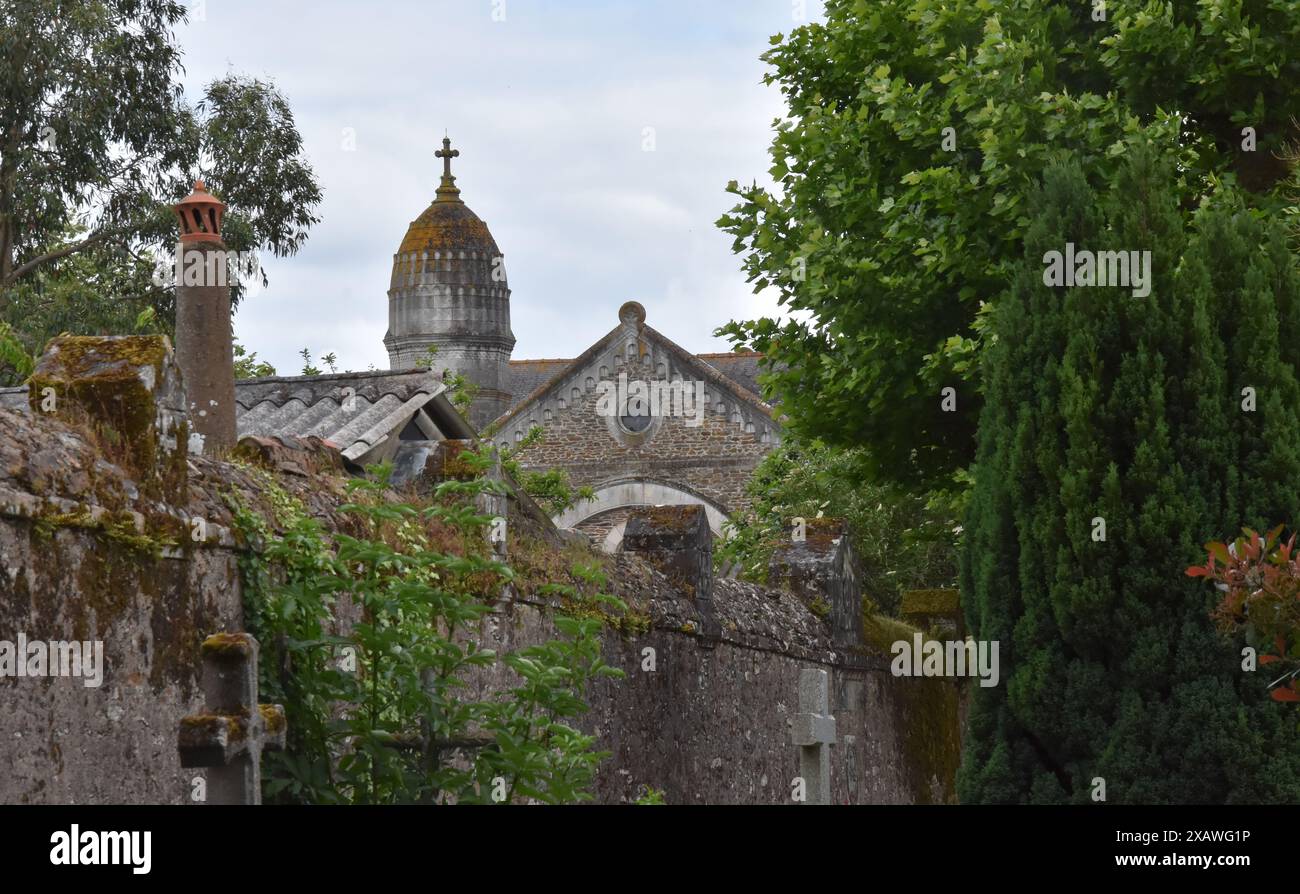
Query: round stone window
x=636 y=416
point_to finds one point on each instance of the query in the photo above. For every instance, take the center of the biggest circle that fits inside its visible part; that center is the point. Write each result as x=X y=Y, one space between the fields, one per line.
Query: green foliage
x=247 y=366
x=97 y=140
x=891 y=249
x=541 y=757
x=1106 y=407
x=426 y=361
x=111 y=291
x=147 y=323
x=1260 y=577
x=551 y=488
x=462 y=390
x=367 y=641
x=308 y=369
x=15 y=363
x=903 y=542
x=651 y=797
x=258 y=167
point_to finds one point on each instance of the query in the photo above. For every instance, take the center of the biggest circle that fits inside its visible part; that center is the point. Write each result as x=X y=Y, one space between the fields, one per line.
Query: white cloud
x=548 y=109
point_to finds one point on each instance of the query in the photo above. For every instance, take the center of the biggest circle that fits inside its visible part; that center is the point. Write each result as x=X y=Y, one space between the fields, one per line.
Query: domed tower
x=449 y=291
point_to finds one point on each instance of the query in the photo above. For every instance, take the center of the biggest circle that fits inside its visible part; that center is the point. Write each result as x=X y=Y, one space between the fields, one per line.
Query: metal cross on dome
x=446 y=153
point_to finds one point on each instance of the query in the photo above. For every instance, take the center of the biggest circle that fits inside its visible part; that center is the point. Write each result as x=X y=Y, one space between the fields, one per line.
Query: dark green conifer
x=1107 y=408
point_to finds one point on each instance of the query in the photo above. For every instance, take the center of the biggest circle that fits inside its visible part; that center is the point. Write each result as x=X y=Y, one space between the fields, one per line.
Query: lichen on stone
x=931 y=602
x=228 y=645
x=272 y=718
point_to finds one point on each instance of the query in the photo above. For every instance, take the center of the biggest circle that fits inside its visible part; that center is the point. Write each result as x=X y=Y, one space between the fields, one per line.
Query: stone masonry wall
x=85 y=556
x=709 y=725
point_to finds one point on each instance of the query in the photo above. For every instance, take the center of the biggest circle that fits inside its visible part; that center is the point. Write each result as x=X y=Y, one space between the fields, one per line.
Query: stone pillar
x=204 y=346
x=677 y=541
x=128 y=389
x=817 y=563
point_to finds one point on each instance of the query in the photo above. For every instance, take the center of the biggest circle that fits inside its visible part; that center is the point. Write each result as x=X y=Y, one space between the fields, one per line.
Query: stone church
x=601 y=415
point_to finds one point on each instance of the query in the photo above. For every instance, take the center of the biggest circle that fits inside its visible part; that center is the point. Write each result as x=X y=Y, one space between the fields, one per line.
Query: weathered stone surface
x=234 y=729
x=292 y=456
x=63 y=742
x=713 y=726
x=676 y=540
x=204 y=342
x=448 y=290
x=85 y=555
x=128 y=389
x=935 y=610
x=708 y=459
x=824 y=572
x=812 y=730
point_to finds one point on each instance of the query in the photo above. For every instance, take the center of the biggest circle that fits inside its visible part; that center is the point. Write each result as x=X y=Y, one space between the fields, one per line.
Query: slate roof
x=739 y=366
x=524 y=376
x=382 y=404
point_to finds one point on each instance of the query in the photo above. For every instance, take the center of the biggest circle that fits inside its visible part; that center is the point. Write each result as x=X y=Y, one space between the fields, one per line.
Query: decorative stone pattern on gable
x=715 y=459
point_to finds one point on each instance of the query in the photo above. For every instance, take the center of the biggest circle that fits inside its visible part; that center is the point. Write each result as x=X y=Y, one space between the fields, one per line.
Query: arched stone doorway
x=629 y=494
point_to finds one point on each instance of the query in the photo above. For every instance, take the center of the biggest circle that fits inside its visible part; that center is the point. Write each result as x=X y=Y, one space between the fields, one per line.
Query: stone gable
x=703 y=449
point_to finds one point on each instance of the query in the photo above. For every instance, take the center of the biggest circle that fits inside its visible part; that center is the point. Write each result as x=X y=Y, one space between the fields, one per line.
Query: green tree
x=1114 y=442
x=247 y=366
x=904 y=541
x=100 y=292
x=97 y=140
x=890 y=237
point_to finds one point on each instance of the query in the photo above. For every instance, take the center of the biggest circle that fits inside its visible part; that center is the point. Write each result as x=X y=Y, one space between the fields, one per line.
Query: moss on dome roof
x=448 y=226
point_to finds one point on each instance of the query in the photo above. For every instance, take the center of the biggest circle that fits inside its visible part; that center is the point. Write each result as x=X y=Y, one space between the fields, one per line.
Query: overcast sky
x=549 y=108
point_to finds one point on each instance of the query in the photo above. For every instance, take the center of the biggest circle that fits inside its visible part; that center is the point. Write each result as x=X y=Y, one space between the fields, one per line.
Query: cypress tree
x=1113 y=444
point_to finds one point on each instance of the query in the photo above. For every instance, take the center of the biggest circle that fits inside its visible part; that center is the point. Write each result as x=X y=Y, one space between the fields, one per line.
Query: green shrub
x=374 y=697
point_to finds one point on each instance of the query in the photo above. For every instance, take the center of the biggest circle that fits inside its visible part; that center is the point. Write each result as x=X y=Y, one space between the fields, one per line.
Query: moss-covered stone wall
x=86 y=555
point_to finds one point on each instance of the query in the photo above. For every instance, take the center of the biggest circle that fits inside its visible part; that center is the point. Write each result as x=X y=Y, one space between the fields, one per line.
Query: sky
x=596 y=140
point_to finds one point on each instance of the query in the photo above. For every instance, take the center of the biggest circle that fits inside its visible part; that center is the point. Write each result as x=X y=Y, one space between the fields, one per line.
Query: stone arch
x=640 y=492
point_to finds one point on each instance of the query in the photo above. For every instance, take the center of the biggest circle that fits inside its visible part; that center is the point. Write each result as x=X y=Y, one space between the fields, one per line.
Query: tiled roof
x=357 y=411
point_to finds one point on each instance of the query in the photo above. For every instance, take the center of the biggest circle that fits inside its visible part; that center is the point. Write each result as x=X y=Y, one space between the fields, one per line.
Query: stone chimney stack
x=203 y=334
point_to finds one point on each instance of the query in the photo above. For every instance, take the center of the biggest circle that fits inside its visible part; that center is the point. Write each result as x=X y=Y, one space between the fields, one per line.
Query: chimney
x=203 y=334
